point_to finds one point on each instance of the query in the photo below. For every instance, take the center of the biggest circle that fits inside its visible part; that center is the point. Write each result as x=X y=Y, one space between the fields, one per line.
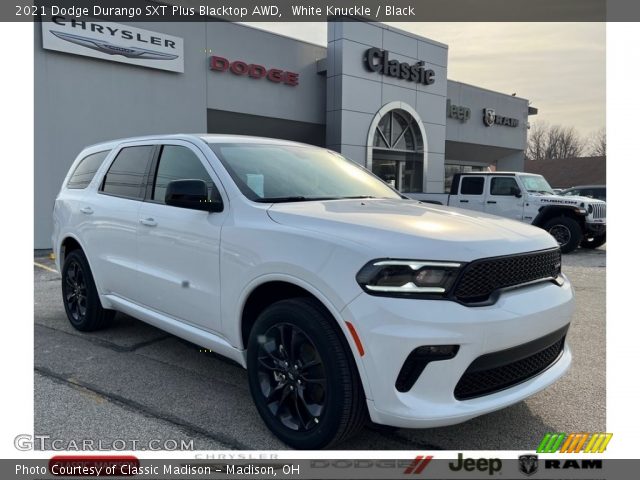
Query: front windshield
x=284 y=173
x=536 y=184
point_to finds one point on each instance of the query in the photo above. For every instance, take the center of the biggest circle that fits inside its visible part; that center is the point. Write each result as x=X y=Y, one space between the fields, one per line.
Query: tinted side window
x=179 y=163
x=472 y=186
x=86 y=170
x=503 y=186
x=127 y=175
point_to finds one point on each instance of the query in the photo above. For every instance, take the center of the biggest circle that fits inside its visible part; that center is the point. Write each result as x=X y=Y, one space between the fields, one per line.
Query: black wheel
x=302 y=376
x=79 y=295
x=566 y=231
x=594 y=242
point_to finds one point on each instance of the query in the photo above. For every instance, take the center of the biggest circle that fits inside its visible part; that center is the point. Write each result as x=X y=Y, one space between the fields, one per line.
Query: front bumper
x=596 y=228
x=391 y=328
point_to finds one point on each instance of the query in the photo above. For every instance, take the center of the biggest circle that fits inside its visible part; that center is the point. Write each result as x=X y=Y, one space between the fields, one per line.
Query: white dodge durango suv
x=344 y=300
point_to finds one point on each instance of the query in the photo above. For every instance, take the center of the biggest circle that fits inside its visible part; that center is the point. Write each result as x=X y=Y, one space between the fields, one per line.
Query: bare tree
x=598 y=143
x=537 y=141
x=553 y=141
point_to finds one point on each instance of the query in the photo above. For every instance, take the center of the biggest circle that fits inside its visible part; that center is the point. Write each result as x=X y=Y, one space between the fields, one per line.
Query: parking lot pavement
x=133 y=382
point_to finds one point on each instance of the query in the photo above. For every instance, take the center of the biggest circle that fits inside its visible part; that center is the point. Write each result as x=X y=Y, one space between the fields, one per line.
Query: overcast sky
x=559 y=67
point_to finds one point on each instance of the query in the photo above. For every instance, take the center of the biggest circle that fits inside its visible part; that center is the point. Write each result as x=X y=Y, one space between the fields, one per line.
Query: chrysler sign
x=114 y=42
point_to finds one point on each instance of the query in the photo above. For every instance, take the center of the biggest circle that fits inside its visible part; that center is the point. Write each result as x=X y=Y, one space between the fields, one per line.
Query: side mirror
x=516 y=192
x=192 y=194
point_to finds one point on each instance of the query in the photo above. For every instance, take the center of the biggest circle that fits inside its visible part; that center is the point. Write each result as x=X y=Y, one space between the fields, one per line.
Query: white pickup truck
x=572 y=221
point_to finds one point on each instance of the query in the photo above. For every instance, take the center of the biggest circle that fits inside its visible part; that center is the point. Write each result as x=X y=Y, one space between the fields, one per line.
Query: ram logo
x=528 y=464
x=489 y=116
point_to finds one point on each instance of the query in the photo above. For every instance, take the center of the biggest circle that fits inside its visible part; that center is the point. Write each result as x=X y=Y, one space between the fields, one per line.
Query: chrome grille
x=599 y=210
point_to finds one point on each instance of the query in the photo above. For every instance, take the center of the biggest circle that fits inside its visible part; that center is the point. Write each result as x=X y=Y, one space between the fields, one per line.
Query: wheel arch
x=267 y=290
x=68 y=244
x=71 y=240
x=546 y=213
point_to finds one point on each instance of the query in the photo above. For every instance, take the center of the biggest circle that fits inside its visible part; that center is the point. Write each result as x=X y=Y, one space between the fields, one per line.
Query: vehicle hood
x=411 y=229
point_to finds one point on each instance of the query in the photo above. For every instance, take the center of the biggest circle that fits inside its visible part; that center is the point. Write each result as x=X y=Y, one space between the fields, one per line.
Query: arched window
x=398 y=151
x=398 y=130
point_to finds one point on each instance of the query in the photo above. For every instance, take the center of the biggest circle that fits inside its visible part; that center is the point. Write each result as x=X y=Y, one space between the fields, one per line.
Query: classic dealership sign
x=253 y=70
x=377 y=60
x=114 y=42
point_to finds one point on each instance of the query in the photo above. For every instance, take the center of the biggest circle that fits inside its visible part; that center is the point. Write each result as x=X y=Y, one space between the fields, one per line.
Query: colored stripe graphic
x=415 y=462
x=574 y=442
x=423 y=464
x=419 y=464
x=581 y=443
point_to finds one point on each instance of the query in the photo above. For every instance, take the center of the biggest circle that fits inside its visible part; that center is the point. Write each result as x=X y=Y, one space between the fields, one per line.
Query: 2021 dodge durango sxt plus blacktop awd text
x=344 y=300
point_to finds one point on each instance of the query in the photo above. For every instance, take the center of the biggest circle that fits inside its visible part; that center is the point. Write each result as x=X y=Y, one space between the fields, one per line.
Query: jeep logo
x=459 y=112
x=490 y=465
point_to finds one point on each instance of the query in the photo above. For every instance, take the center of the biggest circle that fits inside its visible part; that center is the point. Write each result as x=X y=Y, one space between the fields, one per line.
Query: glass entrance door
x=398 y=156
x=400 y=170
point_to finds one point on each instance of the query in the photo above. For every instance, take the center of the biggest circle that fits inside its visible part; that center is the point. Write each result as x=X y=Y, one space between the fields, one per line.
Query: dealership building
x=377 y=94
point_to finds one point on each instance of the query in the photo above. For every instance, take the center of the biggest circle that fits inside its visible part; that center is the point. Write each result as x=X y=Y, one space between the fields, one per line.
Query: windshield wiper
x=356 y=197
x=297 y=198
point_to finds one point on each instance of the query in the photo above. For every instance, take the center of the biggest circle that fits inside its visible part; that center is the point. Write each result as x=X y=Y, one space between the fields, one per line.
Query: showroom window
x=398 y=151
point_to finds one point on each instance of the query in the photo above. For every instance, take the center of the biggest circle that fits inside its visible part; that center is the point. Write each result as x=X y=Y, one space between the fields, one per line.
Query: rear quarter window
x=86 y=170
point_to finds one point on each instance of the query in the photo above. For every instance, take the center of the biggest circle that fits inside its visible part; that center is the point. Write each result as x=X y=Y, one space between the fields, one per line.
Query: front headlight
x=413 y=278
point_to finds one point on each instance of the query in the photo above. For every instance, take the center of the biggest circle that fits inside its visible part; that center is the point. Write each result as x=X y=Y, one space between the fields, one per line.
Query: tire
x=80 y=296
x=594 y=242
x=315 y=399
x=566 y=231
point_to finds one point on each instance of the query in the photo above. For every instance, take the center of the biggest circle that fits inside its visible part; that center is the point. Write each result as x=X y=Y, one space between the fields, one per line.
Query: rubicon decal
x=113 y=42
x=574 y=442
x=253 y=70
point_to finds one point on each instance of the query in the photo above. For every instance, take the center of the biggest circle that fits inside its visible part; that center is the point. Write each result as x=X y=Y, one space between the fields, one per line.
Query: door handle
x=87 y=210
x=149 y=222
x=491 y=201
x=464 y=201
